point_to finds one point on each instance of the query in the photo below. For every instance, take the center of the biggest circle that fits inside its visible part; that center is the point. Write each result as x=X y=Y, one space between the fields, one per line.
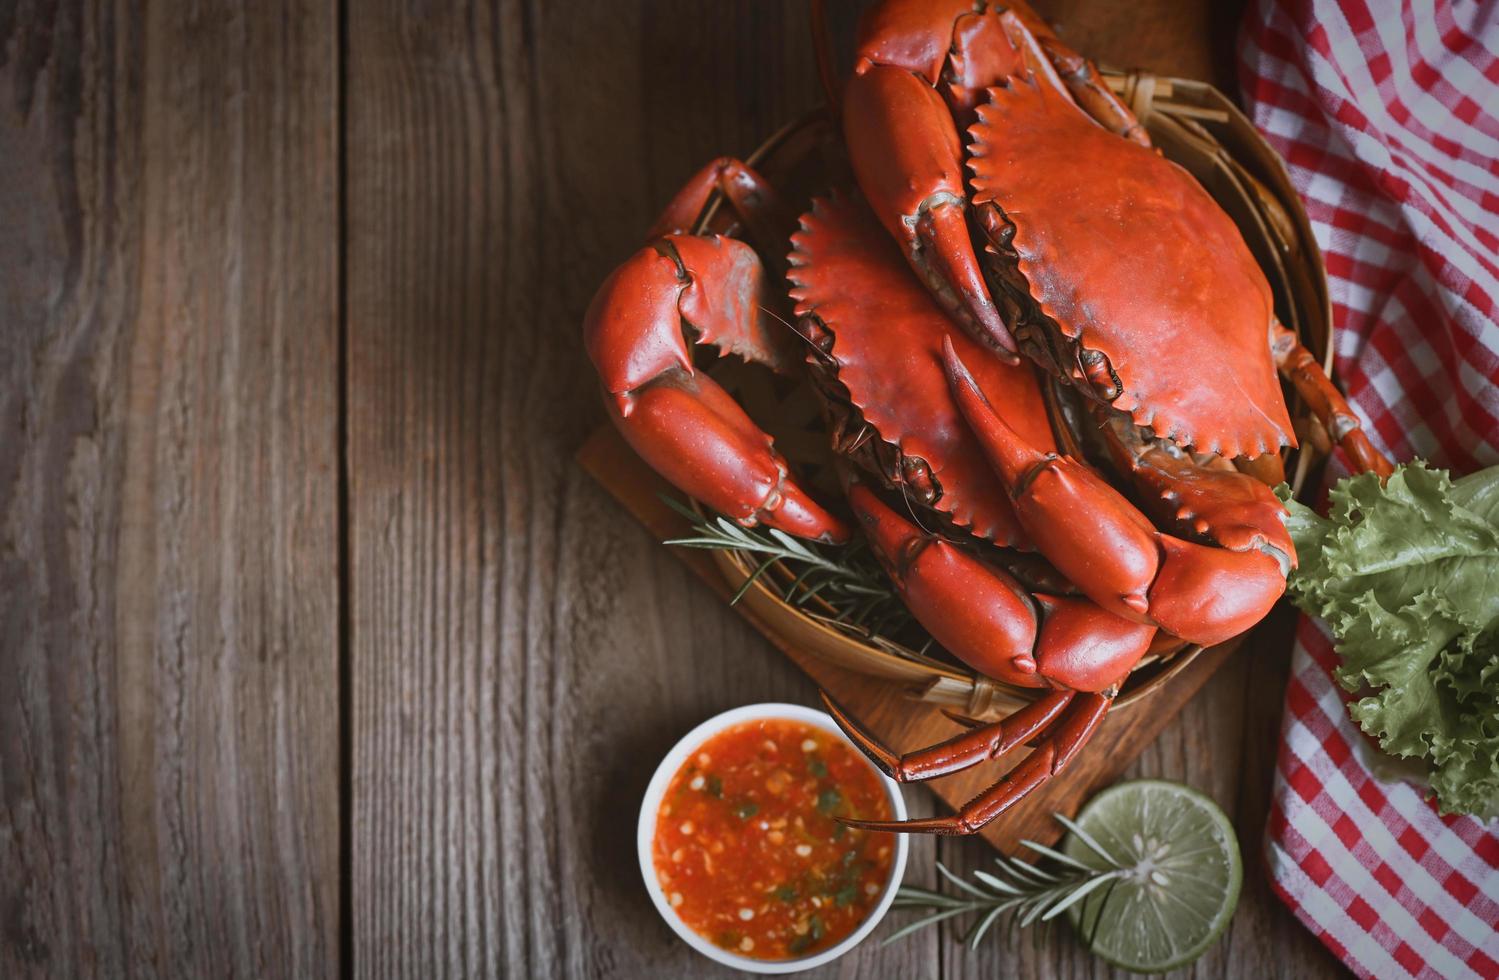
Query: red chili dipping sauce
x=747 y=847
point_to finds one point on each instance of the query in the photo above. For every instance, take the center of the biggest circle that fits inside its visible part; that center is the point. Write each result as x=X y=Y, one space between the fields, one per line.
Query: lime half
x=1179 y=878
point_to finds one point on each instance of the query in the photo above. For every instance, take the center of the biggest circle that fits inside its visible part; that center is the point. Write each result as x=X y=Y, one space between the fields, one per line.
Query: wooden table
x=317 y=653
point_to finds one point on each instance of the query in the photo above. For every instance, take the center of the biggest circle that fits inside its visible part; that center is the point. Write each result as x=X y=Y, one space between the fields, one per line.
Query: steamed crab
x=1029 y=325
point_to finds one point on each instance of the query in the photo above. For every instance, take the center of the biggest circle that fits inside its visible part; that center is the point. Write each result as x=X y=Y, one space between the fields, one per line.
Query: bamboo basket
x=1194 y=125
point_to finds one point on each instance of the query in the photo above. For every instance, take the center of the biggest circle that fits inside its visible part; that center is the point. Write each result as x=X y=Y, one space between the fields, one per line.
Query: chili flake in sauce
x=749 y=851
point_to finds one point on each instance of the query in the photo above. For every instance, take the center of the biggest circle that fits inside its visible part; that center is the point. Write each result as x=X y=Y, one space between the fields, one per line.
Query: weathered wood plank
x=168 y=527
x=522 y=652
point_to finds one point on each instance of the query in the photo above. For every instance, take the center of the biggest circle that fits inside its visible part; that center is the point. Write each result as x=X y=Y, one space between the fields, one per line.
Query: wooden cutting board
x=901 y=721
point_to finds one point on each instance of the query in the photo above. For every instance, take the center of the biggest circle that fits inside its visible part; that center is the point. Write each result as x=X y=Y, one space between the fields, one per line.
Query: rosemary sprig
x=845 y=577
x=1030 y=893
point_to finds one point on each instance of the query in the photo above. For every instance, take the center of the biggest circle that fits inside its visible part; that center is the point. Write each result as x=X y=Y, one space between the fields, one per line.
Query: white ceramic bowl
x=646 y=832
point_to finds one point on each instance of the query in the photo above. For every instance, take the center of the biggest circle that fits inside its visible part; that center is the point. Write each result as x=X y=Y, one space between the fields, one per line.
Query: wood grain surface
x=168 y=528
x=318 y=654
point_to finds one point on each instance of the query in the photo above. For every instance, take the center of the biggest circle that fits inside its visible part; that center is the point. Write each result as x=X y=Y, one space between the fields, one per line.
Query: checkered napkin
x=1388 y=114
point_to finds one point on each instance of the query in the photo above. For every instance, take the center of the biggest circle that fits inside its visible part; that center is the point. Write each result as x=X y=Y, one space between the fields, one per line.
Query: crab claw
x=694 y=434
x=1061 y=723
x=977 y=612
x=1084 y=647
x=1120 y=559
x=987 y=619
x=678 y=419
x=1207 y=595
x=907 y=157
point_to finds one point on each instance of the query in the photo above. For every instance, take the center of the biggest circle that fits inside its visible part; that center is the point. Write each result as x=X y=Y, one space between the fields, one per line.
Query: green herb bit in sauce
x=786 y=893
x=746 y=809
x=715 y=787
x=817 y=767
x=829 y=801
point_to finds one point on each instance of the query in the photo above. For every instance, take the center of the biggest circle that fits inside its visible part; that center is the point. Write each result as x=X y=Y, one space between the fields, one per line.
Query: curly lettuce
x=1406 y=574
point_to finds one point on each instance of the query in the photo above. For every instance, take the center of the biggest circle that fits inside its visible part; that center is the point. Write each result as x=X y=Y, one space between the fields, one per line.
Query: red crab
x=1026 y=351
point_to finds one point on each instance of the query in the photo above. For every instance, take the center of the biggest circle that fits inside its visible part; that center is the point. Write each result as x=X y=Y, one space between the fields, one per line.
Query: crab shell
x=887 y=332
x=1124 y=254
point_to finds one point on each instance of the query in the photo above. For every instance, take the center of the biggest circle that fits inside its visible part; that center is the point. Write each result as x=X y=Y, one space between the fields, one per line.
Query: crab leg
x=1082 y=715
x=679 y=420
x=1327 y=403
x=1119 y=560
x=980 y=743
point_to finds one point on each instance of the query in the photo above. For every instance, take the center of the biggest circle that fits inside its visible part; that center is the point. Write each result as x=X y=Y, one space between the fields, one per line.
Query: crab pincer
x=1117 y=558
x=909 y=161
x=678 y=419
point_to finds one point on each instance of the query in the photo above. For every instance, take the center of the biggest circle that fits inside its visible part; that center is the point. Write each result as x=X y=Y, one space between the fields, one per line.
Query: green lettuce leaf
x=1406 y=574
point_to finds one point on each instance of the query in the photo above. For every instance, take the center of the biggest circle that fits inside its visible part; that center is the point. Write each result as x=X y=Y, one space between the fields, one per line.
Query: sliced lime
x=1180 y=875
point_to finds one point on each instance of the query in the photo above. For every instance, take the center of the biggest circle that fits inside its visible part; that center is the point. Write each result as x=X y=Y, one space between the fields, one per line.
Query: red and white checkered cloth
x=1388 y=114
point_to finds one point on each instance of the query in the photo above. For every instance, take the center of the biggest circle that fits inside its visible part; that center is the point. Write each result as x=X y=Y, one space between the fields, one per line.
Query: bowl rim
x=650 y=806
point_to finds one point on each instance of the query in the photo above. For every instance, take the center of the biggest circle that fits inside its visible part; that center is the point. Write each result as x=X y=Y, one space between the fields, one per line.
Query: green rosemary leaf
x=1087 y=839
x=998 y=884
x=753 y=578
x=1077 y=894
x=1098 y=914
x=799 y=583
x=845 y=577
x=1026 y=872
x=908 y=895
x=982 y=926
x=942 y=869
x=814 y=590
x=1024 y=894
x=919 y=924
x=680 y=508
x=794 y=546
x=735 y=532
x=1033 y=912
x=1056 y=855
